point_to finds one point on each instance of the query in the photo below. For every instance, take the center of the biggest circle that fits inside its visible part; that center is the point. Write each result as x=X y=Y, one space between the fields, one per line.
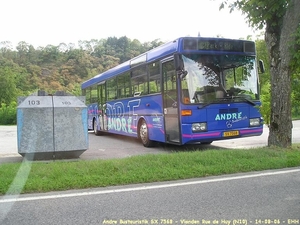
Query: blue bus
x=190 y=90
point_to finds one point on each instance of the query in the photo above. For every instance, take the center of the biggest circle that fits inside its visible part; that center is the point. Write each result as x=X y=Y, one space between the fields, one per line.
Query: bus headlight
x=254 y=122
x=198 y=127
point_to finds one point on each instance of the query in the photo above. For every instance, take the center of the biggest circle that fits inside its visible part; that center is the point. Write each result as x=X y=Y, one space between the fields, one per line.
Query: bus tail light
x=186 y=112
x=199 y=127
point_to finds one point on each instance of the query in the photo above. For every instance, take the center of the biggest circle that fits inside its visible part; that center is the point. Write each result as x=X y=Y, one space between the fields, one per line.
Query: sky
x=44 y=22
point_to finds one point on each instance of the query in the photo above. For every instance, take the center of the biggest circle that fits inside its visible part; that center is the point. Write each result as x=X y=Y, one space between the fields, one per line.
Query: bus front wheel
x=144 y=134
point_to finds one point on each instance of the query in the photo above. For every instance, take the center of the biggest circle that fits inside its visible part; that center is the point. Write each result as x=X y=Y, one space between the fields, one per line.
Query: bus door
x=170 y=102
x=102 y=107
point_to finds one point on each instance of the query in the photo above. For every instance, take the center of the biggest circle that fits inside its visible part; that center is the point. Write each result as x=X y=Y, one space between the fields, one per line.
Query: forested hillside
x=25 y=69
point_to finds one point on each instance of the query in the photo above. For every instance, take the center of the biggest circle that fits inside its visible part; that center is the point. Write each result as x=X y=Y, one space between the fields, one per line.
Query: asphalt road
x=115 y=146
x=268 y=197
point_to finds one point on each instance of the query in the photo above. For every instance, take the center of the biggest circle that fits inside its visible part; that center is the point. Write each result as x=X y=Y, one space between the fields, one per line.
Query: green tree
x=264 y=78
x=6 y=50
x=280 y=19
x=7 y=85
x=296 y=77
x=23 y=54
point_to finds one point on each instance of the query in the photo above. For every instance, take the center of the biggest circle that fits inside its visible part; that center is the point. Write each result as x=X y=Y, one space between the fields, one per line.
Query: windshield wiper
x=242 y=98
x=226 y=99
x=247 y=100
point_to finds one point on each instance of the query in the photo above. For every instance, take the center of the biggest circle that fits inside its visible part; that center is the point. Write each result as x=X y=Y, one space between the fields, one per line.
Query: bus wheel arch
x=143 y=133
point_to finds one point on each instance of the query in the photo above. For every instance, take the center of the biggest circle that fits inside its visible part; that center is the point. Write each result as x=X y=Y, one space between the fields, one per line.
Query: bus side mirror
x=178 y=62
x=179 y=66
x=261 y=66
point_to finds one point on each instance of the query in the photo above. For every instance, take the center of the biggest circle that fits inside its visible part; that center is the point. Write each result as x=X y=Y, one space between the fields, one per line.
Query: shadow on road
x=163 y=147
x=188 y=148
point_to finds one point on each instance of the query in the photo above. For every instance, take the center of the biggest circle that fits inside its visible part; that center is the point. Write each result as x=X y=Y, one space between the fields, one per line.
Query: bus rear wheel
x=144 y=134
x=96 y=131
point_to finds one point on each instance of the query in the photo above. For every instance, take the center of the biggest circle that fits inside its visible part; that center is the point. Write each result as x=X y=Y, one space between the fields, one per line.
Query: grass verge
x=28 y=177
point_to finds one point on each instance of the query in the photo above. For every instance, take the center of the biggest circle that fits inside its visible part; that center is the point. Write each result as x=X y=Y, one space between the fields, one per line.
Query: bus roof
x=161 y=51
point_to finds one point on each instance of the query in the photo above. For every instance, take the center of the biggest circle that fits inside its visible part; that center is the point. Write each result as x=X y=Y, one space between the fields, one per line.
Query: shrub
x=8 y=114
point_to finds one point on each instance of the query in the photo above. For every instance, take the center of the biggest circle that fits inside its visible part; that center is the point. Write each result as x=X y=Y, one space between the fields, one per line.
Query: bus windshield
x=215 y=78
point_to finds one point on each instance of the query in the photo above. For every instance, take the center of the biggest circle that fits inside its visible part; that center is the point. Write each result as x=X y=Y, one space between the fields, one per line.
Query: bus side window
x=170 y=98
x=127 y=84
x=111 y=89
x=94 y=94
x=170 y=87
x=139 y=80
x=87 y=93
x=154 y=77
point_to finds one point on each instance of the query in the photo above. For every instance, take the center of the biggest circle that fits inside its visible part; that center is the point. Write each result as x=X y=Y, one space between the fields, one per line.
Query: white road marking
x=7 y=198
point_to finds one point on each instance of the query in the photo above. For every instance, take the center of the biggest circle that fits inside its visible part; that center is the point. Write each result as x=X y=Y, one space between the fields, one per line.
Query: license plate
x=231 y=133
